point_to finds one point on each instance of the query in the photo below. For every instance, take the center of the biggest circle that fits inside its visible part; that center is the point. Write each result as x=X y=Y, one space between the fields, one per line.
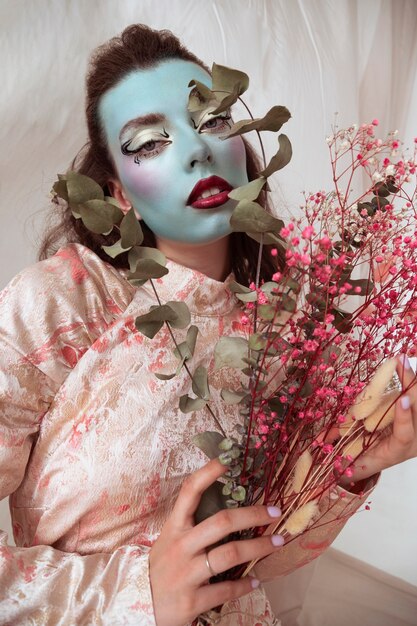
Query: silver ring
x=209 y=566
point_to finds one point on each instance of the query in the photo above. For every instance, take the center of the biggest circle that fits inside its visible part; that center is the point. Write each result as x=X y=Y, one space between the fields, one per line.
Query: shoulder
x=61 y=305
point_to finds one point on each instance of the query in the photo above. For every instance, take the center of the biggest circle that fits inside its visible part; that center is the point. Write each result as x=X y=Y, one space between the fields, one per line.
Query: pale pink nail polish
x=274 y=511
x=405 y=402
x=255 y=583
x=405 y=362
x=277 y=540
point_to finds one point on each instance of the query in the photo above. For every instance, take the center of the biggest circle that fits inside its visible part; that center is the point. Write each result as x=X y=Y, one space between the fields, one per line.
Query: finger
x=192 y=490
x=210 y=596
x=228 y=521
x=235 y=553
x=407 y=376
x=403 y=428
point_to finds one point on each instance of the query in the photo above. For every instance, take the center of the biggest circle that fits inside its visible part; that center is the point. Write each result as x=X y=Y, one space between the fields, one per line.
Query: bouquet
x=317 y=363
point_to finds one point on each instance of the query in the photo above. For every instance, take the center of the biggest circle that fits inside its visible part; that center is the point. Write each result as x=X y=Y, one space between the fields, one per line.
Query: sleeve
x=50 y=314
x=336 y=506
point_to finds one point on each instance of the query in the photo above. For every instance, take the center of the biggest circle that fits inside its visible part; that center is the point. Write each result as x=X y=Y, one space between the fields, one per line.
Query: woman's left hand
x=401 y=442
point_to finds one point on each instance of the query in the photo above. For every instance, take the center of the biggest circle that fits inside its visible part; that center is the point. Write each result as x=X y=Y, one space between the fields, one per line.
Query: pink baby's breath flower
x=284 y=232
x=308 y=232
x=310 y=345
x=274 y=252
x=277 y=277
x=375 y=122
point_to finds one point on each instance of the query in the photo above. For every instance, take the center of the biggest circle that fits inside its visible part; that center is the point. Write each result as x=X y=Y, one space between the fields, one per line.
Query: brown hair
x=138 y=47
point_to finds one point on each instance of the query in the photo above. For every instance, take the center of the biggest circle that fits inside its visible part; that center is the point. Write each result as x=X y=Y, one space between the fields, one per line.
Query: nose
x=199 y=151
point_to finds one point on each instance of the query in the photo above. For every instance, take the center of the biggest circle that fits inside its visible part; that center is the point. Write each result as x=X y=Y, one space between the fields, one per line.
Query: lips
x=209 y=193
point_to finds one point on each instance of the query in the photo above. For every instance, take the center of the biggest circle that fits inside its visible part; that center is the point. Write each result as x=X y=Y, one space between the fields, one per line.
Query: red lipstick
x=215 y=190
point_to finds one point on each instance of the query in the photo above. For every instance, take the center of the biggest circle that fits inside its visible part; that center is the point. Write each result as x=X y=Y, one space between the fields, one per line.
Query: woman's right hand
x=178 y=569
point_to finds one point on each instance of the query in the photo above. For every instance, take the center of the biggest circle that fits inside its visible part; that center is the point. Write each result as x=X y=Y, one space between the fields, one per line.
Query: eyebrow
x=144 y=120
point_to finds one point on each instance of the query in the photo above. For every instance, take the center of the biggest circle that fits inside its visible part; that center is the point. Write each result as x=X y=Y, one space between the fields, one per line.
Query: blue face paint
x=161 y=157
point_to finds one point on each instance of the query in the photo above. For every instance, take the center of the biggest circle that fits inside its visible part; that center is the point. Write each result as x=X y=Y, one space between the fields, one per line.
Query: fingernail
x=405 y=402
x=405 y=362
x=274 y=511
x=254 y=583
x=277 y=540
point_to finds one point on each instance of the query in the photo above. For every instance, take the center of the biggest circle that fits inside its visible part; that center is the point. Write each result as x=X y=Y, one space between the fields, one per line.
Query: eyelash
x=148 y=154
x=225 y=122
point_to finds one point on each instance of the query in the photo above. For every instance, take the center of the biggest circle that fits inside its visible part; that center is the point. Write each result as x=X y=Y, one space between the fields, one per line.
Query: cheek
x=138 y=180
x=236 y=152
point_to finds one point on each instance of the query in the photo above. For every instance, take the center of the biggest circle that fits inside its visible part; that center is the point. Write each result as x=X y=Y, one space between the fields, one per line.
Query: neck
x=211 y=259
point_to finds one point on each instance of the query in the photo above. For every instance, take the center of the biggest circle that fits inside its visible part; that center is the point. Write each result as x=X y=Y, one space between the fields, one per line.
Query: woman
x=98 y=461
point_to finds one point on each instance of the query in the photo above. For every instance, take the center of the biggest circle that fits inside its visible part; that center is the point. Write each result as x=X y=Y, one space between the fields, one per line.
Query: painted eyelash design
x=125 y=147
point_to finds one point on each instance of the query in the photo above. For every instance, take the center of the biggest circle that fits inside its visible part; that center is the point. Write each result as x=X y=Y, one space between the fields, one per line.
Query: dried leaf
x=226 y=79
x=272 y=121
x=230 y=352
x=280 y=159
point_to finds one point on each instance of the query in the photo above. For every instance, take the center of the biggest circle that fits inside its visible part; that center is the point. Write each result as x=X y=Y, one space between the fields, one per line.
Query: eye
x=146 y=149
x=216 y=124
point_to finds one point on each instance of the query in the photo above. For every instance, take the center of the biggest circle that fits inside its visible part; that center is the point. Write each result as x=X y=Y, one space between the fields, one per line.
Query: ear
x=118 y=193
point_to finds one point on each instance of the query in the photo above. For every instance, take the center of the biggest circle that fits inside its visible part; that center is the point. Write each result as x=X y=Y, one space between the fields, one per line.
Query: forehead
x=161 y=89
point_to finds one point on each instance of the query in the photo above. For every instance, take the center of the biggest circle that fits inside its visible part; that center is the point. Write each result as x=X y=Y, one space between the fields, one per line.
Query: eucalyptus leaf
x=147 y=268
x=187 y=404
x=270 y=239
x=250 y=191
x=185 y=350
x=182 y=312
x=247 y=297
x=82 y=188
x=143 y=252
x=209 y=442
x=230 y=352
x=236 y=287
x=150 y=323
x=60 y=188
x=257 y=341
x=200 y=384
x=273 y=121
x=266 y=312
x=130 y=230
x=97 y=215
x=232 y=397
x=251 y=217
x=205 y=93
x=281 y=158
x=114 y=250
x=211 y=502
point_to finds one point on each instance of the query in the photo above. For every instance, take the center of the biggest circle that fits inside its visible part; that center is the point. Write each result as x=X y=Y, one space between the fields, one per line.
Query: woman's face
x=161 y=154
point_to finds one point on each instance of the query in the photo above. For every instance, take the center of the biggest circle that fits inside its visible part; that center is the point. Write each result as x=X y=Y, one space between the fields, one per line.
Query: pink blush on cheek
x=142 y=183
x=237 y=150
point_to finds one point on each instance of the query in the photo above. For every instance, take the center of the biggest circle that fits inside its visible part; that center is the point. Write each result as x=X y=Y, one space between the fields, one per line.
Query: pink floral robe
x=93 y=447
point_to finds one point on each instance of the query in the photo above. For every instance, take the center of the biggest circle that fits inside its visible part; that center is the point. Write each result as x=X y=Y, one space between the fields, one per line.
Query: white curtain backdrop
x=318 y=57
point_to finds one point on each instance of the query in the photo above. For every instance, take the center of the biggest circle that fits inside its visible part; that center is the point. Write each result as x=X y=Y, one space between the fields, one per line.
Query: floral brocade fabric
x=93 y=447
